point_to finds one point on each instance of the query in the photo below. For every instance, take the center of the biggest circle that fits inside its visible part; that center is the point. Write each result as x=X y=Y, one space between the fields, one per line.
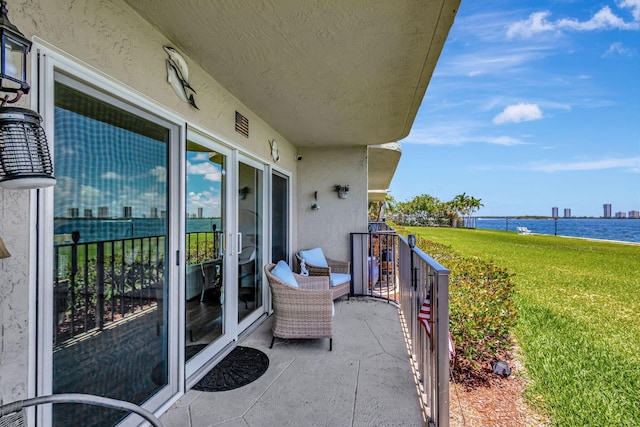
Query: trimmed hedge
x=481 y=312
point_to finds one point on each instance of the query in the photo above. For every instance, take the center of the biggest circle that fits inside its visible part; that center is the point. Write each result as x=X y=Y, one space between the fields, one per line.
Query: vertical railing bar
x=114 y=295
x=100 y=285
x=74 y=271
x=123 y=277
x=87 y=296
x=56 y=287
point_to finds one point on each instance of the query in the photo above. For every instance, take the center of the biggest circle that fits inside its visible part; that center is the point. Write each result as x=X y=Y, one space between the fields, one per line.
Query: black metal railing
x=98 y=283
x=385 y=266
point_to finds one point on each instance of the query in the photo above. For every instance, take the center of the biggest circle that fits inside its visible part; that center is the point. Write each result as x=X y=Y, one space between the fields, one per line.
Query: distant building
x=634 y=214
x=88 y=213
x=621 y=214
x=103 y=212
x=163 y=214
x=153 y=213
x=199 y=212
x=126 y=212
x=607 y=210
x=554 y=212
x=567 y=213
x=73 y=213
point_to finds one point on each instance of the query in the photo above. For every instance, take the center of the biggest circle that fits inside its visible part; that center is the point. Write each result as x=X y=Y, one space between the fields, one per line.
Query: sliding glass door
x=250 y=241
x=111 y=249
x=205 y=271
x=279 y=217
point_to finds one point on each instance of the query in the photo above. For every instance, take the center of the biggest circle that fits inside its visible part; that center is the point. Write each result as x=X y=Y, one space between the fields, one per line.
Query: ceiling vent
x=242 y=124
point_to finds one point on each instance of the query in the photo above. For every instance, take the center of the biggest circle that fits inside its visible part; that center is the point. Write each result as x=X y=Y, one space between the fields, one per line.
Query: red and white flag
x=424 y=317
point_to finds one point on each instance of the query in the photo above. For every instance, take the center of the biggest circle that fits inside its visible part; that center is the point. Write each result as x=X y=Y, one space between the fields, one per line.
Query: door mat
x=241 y=367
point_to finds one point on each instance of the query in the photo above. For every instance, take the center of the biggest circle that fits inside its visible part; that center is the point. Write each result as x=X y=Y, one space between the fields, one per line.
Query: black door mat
x=241 y=367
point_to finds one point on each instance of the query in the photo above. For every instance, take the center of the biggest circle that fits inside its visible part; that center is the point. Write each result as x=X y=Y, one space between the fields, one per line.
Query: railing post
x=100 y=285
x=441 y=327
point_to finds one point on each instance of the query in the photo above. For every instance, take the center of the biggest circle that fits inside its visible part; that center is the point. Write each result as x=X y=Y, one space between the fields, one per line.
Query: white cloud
x=518 y=113
x=458 y=133
x=604 y=19
x=618 y=49
x=112 y=175
x=505 y=140
x=632 y=163
x=634 y=5
x=160 y=172
x=537 y=23
x=208 y=170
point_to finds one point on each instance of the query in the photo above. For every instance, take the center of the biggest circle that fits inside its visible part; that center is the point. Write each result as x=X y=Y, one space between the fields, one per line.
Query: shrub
x=481 y=312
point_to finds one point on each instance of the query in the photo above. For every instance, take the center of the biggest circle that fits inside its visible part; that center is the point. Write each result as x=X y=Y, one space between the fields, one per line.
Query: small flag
x=424 y=317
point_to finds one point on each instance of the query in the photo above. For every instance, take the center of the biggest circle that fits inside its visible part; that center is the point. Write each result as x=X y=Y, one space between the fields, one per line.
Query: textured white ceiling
x=324 y=72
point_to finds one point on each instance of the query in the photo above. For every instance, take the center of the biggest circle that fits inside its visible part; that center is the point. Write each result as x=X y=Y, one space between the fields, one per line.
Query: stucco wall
x=328 y=227
x=111 y=38
x=14 y=296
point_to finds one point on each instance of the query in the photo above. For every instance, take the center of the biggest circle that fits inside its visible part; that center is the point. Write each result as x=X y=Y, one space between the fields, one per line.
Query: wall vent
x=242 y=124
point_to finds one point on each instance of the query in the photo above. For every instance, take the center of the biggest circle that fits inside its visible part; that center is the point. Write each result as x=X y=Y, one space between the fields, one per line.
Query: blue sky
x=533 y=104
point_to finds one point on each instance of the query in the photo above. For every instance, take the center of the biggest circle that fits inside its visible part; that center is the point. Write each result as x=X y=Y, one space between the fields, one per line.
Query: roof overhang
x=323 y=73
x=382 y=162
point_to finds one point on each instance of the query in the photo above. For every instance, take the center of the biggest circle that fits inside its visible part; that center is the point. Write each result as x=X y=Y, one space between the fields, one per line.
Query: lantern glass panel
x=13 y=63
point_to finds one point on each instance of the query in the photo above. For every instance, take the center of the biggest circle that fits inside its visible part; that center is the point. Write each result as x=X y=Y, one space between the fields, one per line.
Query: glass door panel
x=250 y=241
x=111 y=219
x=204 y=270
x=279 y=218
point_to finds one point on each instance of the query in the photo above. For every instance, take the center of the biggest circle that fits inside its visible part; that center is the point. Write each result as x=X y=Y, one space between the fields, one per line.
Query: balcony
x=383 y=370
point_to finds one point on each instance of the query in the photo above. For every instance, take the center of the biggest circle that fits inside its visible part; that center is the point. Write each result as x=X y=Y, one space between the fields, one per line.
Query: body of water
x=619 y=229
x=101 y=229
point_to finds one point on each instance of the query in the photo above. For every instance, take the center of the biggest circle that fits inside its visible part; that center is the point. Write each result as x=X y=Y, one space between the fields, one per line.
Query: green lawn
x=578 y=305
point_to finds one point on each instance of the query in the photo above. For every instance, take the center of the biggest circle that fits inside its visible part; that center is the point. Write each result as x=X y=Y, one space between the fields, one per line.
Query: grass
x=578 y=326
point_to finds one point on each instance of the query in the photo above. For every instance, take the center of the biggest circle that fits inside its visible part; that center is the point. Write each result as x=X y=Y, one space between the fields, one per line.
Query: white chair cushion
x=283 y=272
x=314 y=256
x=339 y=278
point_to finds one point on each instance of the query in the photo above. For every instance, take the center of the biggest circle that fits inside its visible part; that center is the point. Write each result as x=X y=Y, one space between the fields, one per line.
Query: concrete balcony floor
x=366 y=380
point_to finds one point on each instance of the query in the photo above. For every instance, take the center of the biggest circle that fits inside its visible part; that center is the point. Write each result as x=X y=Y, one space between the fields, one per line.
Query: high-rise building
x=554 y=212
x=88 y=213
x=103 y=212
x=607 y=210
x=199 y=212
x=621 y=214
x=567 y=212
x=73 y=213
x=153 y=213
x=634 y=214
x=126 y=212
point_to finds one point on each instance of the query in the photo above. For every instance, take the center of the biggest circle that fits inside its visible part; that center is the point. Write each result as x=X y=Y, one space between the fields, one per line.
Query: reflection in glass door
x=204 y=272
x=250 y=202
x=111 y=218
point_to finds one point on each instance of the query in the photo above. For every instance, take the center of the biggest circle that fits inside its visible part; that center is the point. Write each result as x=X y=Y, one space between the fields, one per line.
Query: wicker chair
x=343 y=287
x=303 y=312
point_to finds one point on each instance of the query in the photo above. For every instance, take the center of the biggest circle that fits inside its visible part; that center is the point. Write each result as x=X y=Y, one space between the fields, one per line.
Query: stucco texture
x=329 y=226
x=14 y=296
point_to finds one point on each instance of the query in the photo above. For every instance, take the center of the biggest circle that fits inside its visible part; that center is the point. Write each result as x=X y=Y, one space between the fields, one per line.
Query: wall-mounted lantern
x=25 y=162
x=342 y=190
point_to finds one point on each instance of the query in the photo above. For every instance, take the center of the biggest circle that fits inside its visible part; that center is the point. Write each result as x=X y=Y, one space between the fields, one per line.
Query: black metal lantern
x=13 y=55
x=25 y=162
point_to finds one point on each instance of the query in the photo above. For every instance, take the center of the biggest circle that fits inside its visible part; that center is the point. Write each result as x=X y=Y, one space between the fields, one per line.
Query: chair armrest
x=312 y=282
x=339 y=266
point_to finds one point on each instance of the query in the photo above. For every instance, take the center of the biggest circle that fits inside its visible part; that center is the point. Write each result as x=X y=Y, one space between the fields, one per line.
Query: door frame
x=200 y=364
x=261 y=166
x=48 y=62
